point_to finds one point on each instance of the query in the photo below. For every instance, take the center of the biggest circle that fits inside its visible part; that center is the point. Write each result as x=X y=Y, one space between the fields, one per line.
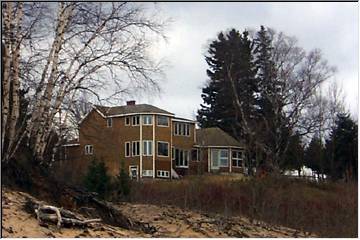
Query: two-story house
x=150 y=142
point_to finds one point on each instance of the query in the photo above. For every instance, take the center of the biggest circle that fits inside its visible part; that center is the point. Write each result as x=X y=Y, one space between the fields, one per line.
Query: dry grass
x=327 y=209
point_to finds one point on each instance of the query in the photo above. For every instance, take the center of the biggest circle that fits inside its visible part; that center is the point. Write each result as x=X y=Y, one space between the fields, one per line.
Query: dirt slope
x=168 y=221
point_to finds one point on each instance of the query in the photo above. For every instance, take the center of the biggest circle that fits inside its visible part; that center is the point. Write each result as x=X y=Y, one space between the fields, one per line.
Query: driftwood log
x=60 y=216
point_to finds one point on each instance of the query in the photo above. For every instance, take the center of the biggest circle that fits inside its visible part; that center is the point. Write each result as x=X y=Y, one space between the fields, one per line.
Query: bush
x=122 y=184
x=97 y=180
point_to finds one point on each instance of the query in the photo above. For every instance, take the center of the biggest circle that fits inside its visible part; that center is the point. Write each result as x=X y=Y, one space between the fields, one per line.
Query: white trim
x=129 y=149
x=129 y=121
x=196 y=145
x=137 y=170
x=71 y=145
x=132 y=120
x=107 y=122
x=152 y=143
x=230 y=159
x=152 y=120
x=154 y=147
x=87 y=114
x=141 y=145
x=89 y=152
x=144 y=113
x=132 y=148
x=157 y=152
x=161 y=175
x=184 y=121
x=168 y=125
x=99 y=112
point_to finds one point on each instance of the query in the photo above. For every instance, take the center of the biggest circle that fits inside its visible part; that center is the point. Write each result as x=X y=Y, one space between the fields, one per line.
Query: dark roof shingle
x=215 y=137
x=128 y=109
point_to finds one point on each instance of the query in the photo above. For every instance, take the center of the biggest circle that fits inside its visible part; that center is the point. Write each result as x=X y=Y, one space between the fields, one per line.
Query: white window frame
x=160 y=125
x=222 y=158
x=135 y=148
x=181 y=129
x=147 y=173
x=129 y=153
x=137 y=170
x=137 y=123
x=162 y=174
x=158 y=152
x=183 y=158
x=147 y=147
x=147 y=120
x=107 y=122
x=237 y=158
x=89 y=149
x=126 y=119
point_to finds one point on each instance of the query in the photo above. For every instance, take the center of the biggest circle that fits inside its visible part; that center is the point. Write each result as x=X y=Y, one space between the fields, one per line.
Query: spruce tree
x=234 y=50
x=341 y=149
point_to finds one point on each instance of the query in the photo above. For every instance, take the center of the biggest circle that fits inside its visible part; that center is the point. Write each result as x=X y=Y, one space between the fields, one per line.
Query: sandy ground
x=168 y=221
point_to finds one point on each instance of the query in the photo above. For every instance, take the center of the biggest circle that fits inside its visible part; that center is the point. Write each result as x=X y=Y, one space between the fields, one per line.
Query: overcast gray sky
x=332 y=27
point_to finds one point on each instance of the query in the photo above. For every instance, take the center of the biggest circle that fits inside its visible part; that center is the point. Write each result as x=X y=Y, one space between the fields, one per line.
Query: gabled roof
x=214 y=136
x=130 y=109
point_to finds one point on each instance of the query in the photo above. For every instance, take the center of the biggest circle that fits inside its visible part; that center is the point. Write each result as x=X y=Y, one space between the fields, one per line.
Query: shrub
x=97 y=180
x=122 y=184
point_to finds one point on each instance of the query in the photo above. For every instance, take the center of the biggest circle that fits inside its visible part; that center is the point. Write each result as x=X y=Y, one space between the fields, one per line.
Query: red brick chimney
x=130 y=103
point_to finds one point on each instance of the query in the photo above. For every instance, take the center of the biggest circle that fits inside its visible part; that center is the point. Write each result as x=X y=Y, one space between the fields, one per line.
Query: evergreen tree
x=341 y=148
x=97 y=180
x=294 y=156
x=122 y=182
x=230 y=54
x=314 y=155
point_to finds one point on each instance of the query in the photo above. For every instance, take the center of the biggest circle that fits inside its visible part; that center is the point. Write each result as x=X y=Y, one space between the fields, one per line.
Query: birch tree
x=96 y=47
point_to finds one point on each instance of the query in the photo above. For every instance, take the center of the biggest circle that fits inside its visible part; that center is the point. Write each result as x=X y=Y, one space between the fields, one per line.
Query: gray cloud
x=332 y=27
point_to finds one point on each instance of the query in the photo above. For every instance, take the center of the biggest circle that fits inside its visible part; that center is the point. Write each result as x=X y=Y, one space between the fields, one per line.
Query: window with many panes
x=224 y=158
x=163 y=149
x=237 y=158
x=162 y=121
x=136 y=120
x=136 y=148
x=181 y=129
x=147 y=119
x=127 y=149
x=89 y=149
x=147 y=148
x=181 y=158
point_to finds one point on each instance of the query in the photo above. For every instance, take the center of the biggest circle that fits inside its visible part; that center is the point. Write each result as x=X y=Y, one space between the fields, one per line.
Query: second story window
x=89 y=149
x=136 y=120
x=163 y=149
x=127 y=149
x=136 y=148
x=147 y=148
x=147 y=119
x=181 y=129
x=109 y=122
x=127 y=121
x=163 y=121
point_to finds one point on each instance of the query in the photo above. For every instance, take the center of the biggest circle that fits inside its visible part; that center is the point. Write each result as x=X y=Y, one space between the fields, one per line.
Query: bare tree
x=300 y=75
x=88 y=46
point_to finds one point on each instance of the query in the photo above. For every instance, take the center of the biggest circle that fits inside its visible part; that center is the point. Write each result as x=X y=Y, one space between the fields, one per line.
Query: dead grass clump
x=327 y=209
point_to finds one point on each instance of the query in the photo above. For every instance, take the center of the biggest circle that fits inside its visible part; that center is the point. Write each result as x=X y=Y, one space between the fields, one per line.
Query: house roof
x=129 y=109
x=216 y=137
x=71 y=143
